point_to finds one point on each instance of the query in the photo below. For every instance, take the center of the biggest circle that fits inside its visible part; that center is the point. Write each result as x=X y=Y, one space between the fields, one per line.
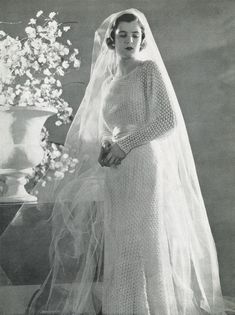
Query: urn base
x=15 y=187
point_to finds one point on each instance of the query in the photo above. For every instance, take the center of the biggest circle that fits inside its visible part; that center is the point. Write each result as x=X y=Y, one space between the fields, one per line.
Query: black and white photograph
x=117 y=157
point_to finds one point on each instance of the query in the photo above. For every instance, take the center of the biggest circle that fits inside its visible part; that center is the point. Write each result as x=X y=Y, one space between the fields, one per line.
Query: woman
x=131 y=234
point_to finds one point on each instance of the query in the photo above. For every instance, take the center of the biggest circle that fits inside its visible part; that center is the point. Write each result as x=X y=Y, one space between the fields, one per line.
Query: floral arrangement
x=30 y=75
x=31 y=67
x=56 y=162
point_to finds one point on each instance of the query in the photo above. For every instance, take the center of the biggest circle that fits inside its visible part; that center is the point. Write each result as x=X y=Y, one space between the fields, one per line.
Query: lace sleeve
x=161 y=116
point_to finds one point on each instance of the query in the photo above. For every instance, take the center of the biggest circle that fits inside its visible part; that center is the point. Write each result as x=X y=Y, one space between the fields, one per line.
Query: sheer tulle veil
x=80 y=215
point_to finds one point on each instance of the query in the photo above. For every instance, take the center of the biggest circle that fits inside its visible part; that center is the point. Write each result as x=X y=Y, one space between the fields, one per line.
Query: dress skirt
x=140 y=250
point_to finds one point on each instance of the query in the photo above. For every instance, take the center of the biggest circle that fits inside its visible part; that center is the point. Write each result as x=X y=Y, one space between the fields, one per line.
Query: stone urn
x=20 y=148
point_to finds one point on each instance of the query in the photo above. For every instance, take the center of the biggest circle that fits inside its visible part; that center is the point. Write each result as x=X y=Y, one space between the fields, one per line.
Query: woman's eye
x=125 y=35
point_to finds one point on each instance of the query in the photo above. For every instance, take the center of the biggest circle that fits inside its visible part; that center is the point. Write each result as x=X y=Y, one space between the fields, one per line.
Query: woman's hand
x=105 y=149
x=114 y=156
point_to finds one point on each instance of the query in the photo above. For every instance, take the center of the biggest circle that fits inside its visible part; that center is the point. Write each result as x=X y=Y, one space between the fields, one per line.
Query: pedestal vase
x=20 y=148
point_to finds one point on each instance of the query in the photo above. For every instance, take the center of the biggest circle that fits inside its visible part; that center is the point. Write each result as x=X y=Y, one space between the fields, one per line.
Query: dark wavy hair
x=126 y=17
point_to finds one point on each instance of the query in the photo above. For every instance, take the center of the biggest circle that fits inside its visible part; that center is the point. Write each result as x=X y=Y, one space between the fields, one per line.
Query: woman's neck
x=124 y=66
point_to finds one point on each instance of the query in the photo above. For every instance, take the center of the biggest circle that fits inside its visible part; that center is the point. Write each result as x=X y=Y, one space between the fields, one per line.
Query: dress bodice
x=136 y=107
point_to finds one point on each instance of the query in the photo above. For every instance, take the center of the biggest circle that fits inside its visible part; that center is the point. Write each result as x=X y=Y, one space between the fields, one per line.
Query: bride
x=130 y=230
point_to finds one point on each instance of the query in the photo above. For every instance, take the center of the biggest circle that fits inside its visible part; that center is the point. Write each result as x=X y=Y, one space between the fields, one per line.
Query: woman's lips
x=129 y=48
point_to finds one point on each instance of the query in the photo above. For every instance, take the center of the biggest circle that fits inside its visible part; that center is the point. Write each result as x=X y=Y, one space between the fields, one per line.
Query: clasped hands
x=111 y=154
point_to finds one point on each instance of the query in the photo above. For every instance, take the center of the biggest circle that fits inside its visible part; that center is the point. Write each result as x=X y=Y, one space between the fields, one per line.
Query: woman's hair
x=127 y=17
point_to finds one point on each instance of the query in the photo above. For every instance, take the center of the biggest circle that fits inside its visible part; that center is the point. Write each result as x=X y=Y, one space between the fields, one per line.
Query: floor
x=24 y=266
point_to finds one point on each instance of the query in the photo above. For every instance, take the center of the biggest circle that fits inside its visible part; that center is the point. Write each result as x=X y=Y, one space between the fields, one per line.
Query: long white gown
x=133 y=239
x=141 y=251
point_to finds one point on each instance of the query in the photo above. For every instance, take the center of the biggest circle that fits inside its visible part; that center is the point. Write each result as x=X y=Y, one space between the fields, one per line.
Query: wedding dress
x=131 y=239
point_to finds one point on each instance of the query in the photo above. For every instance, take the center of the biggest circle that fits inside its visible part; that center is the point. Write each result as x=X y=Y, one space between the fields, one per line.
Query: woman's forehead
x=128 y=27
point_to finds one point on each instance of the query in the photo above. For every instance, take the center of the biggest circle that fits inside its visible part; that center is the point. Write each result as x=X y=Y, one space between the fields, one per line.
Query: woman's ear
x=110 y=43
x=143 y=44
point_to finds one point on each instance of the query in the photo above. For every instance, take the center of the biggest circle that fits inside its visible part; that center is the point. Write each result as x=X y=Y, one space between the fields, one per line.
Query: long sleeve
x=158 y=106
x=106 y=133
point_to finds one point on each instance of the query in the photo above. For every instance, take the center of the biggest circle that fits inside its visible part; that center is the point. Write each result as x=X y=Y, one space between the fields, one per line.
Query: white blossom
x=46 y=80
x=18 y=92
x=58 y=164
x=59 y=174
x=58 y=123
x=60 y=71
x=43 y=183
x=56 y=153
x=25 y=96
x=38 y=94
x=28 y=73
x=66 y=28
x=56 y=93
x=52 y=26
x=39 y=13
x=47 y=72
x=42 y=59
x=64 y=51
x=52 y=80
x=4 y=73
x=24 y=62
x=26 y=48
x=32 y=21
x=65 y=156
x=69 y=42
x=2 y=34
x=72 y=58
x=51 y=15
x=58 y=83
x=39 y=29
x=36 y=43
x=31 y=32
x=36 y=66
x=69 y=110
x=27 y=83
x=76 y=63
x=65 y=64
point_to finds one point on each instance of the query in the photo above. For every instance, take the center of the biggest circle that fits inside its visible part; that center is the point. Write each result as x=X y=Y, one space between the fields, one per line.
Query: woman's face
x=128 y=39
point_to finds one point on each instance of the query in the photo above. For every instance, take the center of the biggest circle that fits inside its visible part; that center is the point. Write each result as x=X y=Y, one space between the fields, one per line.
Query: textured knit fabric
x=137 y=103
x=137 y=268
